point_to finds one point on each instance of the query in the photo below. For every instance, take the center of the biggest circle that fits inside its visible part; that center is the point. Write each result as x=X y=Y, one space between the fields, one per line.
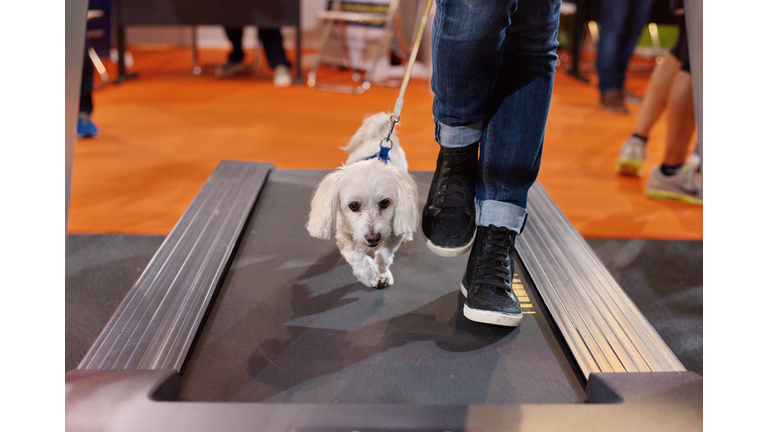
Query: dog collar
x=382 y=155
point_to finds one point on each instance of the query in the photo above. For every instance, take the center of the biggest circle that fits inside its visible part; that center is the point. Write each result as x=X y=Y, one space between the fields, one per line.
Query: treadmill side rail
x=154 y=326
x=603 y=328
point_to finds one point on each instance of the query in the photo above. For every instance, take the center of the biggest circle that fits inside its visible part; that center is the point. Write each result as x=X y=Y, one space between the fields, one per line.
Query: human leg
x=674 y=180
x=656 y=94
x=660 y=82
x=511 y=145
x=679 y=133
x=635 y=20
x=85 y=126
x=510 y=156
x=621 y=22
x=466 y=42
x=467 y=60
x=467 y=48
x=235 y=36
x=272 y=41
x=681 y=121
x=612 y=17
x=86 y=84
x=677 y=178
x=234 y=64
x=632 y=152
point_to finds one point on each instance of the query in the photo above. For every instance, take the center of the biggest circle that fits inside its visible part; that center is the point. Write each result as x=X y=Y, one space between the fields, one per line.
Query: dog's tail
x=375 y=127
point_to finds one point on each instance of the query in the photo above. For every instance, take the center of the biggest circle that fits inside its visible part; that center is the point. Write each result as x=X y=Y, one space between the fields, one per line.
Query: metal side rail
x=182 y=277
x=603 y=328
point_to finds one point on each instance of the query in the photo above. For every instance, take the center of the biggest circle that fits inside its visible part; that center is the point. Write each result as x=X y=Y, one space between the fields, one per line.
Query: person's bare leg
x=673 y=180
x=655 y=97
x=632 y=152
x=681 y=120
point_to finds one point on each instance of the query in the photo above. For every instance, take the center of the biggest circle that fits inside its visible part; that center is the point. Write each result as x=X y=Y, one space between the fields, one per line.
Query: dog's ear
x=325 y=202
x=406 y=218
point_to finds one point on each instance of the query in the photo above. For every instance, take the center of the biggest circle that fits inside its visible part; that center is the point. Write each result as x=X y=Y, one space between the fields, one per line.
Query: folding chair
x=337 y=18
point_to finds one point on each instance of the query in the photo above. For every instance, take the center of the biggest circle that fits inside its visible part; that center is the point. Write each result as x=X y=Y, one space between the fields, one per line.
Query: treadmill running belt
x=291 y=324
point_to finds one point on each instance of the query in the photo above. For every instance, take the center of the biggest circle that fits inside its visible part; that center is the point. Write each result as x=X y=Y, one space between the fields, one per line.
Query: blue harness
x=383 y=153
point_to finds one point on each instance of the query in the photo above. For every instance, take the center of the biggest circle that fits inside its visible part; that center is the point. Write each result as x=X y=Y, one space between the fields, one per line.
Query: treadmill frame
x=129 y=379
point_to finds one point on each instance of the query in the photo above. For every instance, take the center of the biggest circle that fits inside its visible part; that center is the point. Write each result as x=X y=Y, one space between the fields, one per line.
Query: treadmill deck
x=291 y=324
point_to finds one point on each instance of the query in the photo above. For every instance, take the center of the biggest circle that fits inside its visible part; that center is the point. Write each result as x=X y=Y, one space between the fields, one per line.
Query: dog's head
x=373 y=201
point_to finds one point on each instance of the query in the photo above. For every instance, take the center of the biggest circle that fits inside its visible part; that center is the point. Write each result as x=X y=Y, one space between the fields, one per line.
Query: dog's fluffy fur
x=372 y=206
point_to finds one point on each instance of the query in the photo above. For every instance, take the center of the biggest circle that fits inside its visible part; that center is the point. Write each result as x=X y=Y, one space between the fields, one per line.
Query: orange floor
x=163 y=133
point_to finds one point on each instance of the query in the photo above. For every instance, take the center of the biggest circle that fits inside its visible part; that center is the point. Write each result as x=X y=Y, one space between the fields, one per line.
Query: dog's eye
x=354 y=206
x=384 y=204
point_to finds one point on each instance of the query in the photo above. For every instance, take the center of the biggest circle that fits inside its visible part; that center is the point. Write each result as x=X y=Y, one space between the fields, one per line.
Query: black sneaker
x=487 y=283
x=448 y=219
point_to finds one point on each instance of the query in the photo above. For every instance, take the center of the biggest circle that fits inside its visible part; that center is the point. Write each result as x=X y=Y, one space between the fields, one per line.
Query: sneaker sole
x=489 y=317
x=447 y=251
x=614 y=109
x=231 y=73
x=673 y=196
x=282 y=83
x=629 y=167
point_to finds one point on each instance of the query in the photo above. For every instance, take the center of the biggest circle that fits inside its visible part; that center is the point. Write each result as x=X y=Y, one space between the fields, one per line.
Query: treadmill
x=242 y=321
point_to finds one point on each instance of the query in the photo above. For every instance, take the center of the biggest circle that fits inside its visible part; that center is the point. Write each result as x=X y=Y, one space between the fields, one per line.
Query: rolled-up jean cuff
x=501 y=214
x=458 y=136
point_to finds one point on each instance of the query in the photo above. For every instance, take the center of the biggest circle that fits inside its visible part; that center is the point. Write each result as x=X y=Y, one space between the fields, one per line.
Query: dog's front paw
x=385 y=280
x=367 y=273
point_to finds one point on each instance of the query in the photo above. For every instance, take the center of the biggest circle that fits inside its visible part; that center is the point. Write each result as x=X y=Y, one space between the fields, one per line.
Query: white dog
x=372 y=205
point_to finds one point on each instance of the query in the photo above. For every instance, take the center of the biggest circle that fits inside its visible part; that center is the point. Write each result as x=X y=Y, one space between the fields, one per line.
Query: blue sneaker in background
x=85 y=127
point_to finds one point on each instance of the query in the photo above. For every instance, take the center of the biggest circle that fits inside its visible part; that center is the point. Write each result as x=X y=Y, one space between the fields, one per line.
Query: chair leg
x=98 y=65
x=337 y=17
x=653 y=29
x=196 y=69
x=324 y=36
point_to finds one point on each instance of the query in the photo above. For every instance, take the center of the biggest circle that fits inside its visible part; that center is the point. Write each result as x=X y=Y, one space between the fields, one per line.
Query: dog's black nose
x=373 y=239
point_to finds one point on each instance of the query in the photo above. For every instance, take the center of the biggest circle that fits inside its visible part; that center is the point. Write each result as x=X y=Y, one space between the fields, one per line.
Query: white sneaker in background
x=282 y=76
x=631 y=157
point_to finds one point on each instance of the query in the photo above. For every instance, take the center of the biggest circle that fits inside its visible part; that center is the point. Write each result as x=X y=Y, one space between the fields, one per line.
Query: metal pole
x=75 y=15
x=694 y=22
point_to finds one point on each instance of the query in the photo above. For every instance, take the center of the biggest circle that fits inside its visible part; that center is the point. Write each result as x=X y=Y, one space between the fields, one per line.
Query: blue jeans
x=493 y=71
x=621 y=22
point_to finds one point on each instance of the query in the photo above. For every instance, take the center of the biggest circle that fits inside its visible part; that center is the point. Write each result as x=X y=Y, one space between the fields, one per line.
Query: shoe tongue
x=454 y=188
x=500 y=233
